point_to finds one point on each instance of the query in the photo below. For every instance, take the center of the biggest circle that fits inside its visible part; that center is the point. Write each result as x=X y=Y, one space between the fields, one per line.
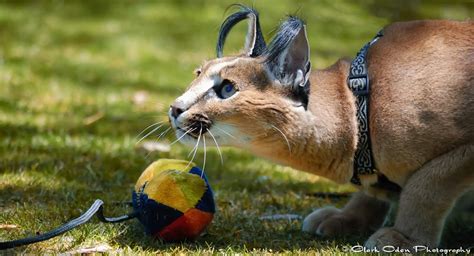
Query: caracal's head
x=250 y=100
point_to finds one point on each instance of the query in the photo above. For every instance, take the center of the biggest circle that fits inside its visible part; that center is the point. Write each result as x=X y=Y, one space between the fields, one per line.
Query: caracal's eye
x=226 y=89
x=197 y=72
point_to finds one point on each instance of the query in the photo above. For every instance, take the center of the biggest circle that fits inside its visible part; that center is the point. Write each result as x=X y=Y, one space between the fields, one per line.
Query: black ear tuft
x=255 y=44
x=287 y=32
x=287 y=57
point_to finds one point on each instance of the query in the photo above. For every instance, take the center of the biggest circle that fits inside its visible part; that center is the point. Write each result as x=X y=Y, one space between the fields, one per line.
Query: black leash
x=96 y=208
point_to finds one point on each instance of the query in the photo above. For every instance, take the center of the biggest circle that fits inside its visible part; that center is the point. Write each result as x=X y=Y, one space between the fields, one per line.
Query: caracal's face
x=251 y=100
x=233 y=101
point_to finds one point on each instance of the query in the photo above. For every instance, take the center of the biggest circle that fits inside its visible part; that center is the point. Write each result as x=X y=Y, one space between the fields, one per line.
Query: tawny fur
x=421 y=121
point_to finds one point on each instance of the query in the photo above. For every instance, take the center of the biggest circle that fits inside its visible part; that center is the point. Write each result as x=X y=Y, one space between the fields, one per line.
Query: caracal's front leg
x=361 y=215
x=426 y=200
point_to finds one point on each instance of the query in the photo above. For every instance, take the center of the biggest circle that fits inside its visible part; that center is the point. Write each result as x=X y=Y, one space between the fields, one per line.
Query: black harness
x=358 y=82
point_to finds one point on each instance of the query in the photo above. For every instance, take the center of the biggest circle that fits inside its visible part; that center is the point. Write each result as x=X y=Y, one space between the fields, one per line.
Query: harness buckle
x=359 y=84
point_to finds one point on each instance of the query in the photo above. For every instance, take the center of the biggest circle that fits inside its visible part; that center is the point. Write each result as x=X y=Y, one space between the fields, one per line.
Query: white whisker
x=184 y=134
x=148 y=127
x=148 y=134
x=284 y=136
x=192 y=151
x=217 y=145
x=163 y=134
x=204 y=146
x=195 y=148
x=224 y=131
x=159 y=137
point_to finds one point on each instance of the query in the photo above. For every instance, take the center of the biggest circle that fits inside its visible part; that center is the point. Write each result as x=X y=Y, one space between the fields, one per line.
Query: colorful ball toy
x=172 y=199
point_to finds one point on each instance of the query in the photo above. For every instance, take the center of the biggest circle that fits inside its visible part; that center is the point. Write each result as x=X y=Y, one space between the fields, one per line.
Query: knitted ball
x=174 y=200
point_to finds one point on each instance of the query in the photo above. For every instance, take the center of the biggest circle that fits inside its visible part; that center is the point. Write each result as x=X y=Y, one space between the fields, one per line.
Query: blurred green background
x=79 y=80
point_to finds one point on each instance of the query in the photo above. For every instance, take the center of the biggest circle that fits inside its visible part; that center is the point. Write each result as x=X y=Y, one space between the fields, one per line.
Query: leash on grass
x=172 y=199
x=95 y=209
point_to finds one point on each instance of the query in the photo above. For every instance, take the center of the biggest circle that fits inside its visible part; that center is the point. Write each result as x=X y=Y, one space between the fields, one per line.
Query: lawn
x=79 y=80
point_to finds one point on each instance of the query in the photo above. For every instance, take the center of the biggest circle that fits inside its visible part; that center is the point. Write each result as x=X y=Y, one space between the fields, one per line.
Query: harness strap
x=358 y=82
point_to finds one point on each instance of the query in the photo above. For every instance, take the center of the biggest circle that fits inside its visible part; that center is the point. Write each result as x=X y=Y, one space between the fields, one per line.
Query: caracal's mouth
x=191 y=132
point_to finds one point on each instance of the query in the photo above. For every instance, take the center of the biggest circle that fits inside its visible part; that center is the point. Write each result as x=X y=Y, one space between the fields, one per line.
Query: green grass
x=69 y=75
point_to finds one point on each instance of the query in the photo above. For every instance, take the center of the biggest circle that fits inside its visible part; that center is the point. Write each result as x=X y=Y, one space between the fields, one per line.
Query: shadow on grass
x=456 y=235
x=291 y=238
x=89 y=169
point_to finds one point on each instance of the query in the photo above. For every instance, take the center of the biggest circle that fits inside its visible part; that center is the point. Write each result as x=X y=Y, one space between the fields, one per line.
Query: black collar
x=358 y=82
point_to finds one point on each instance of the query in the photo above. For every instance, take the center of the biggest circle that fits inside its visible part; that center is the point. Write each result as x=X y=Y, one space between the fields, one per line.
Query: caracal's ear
x=254 y=41
x=287 y=57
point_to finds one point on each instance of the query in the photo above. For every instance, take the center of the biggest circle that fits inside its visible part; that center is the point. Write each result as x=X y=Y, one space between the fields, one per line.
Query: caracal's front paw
x=331 y=222
x=390 y=237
